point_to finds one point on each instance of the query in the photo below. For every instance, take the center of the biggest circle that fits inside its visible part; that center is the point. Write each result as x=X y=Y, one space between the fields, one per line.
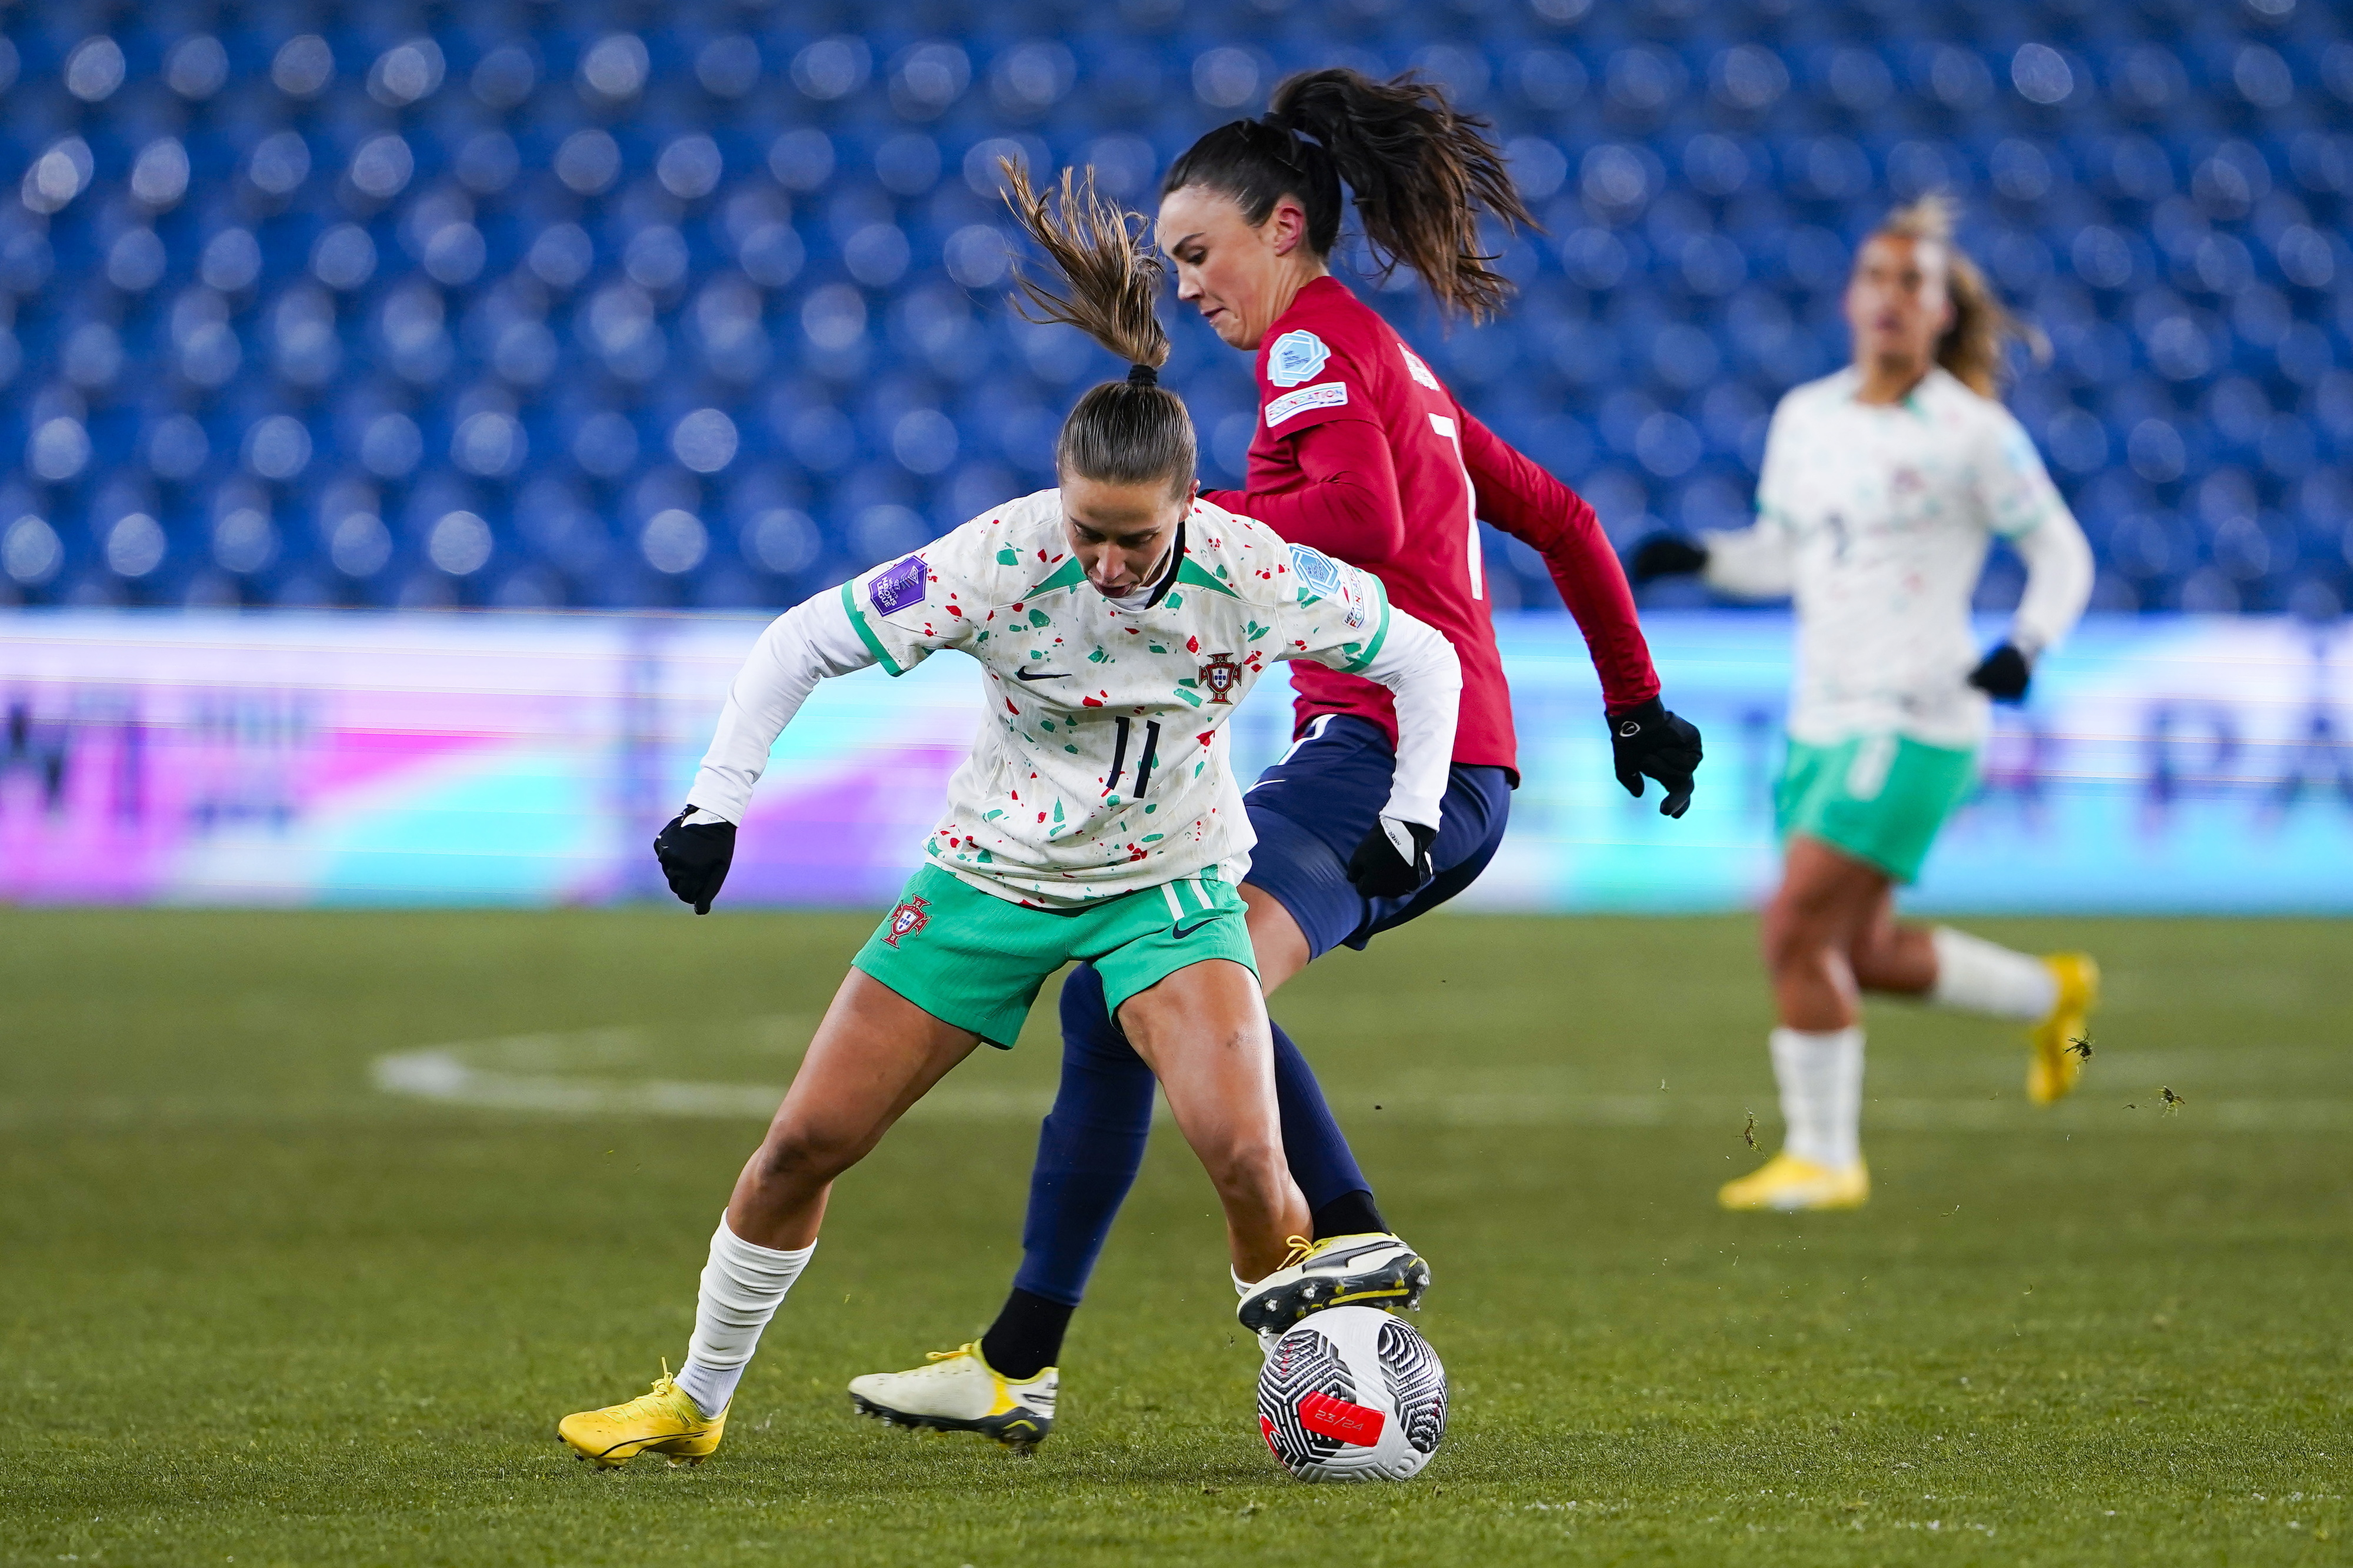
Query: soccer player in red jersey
x=1363 y=454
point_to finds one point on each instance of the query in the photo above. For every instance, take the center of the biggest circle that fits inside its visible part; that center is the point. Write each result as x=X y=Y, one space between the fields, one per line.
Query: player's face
x=1897 y=304
x=1121 y=534
x=1227 y=269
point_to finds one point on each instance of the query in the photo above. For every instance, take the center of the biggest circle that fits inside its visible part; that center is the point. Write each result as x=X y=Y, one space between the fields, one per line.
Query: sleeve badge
x=1317 y=573
x=898 y=587
x=1295 y=357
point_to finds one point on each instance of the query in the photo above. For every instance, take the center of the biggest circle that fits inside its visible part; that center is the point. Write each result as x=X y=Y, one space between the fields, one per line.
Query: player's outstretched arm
x=1646 y=740
x=1422 y=672
x=802 y=646
x=1518 y=497
x=1664 y=555
x=1349 y=508
x=1751 y=562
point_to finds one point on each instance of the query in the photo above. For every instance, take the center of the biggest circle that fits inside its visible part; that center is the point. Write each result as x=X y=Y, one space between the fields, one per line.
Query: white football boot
x=1373 y=1269
x=960 y=1392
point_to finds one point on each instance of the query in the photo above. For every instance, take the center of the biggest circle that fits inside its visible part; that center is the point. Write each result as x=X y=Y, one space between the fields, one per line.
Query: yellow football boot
x=2063 y=1040
x=1787 y=1183
x=664 y=1421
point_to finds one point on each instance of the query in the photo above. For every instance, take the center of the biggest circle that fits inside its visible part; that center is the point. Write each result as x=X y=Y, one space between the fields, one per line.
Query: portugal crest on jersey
x=1221 y=675
x=905 y=921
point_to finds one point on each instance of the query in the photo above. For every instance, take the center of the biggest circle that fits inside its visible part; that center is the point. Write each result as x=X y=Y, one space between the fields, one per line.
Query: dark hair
x=1975 y=348
x=1128 y=432
x=1420 y=172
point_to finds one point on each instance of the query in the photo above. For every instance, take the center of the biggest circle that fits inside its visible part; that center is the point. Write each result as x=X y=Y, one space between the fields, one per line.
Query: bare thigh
x=1275 y=937
x=875 y=1055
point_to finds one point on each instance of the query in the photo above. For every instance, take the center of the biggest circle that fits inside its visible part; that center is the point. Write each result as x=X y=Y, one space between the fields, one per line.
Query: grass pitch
x=259 y=1309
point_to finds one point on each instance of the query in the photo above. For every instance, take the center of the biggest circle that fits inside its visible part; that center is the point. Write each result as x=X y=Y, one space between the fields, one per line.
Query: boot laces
x=943 y=1361
x=651 y=1401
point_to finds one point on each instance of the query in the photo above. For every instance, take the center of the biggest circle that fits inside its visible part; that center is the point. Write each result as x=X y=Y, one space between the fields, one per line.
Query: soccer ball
x=1352 y=1394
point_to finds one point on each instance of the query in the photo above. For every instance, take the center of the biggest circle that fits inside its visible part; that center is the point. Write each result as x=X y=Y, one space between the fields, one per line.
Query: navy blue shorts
x=1313 y=808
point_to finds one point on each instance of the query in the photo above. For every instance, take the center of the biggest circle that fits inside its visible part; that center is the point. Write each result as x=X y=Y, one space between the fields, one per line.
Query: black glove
x=2002 y=674
x=1380 y=870
x=695 y=859
x=1665 y=555
x=1650 y=740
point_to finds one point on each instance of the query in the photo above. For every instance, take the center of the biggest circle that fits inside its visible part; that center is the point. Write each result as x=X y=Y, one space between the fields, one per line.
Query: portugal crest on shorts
x=1221 y=675
x=905 y=921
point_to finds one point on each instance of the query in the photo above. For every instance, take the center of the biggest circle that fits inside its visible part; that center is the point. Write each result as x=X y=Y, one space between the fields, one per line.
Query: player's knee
x=802 y=1154
x=1796 y=930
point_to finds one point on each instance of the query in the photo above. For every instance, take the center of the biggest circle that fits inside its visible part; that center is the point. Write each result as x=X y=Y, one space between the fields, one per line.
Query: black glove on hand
x=1379 y=868
x=2002 y=674
x=1650 y=741
x=1666 y=555
x=695 y=859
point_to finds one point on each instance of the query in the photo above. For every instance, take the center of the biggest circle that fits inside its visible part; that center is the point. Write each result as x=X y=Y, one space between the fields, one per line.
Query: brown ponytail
x=1127 y=432
x=1420 y=171
x=1974 y=349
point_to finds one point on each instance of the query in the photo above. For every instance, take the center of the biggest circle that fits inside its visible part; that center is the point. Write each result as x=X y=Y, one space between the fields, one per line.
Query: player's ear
x=1286 y=227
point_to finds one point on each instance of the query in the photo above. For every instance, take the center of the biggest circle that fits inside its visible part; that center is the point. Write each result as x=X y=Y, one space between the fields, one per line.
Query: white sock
x=1821 y=1076
x=1977 y=976
x=742 y=1285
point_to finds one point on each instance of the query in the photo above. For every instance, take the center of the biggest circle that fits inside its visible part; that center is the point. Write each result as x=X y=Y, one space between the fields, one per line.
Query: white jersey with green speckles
x=1101 y=766
x=1886 y=513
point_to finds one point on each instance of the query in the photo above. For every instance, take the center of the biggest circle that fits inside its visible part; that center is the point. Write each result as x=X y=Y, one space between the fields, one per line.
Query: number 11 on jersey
x=1445 y=426
x=1143 y=763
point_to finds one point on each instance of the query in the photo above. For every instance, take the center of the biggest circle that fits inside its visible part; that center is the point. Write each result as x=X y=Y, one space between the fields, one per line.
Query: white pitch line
x=443 y=1073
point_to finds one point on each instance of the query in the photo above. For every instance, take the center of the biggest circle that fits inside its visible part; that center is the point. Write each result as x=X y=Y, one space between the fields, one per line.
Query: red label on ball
x=1320 y=1413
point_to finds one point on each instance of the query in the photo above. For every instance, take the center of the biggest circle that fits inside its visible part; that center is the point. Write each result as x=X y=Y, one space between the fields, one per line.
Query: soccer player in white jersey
x=1881 y=488
x=1117 y=621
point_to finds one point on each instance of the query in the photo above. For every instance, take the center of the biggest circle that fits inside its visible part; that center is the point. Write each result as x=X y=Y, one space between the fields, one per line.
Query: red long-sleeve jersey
x=1362 y=453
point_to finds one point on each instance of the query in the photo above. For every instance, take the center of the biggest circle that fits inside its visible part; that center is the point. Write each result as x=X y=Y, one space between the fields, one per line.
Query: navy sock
x=1320 y=1160
x=1027 y=1337
x=1089 y=1150
x=1351 y=1214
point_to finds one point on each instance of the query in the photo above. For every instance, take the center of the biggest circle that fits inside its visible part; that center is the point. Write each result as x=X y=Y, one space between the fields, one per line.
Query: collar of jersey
x=1070 y=574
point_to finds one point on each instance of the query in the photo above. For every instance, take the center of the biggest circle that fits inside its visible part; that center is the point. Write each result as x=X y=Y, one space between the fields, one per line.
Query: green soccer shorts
x=1881 y=798
x=976 y=961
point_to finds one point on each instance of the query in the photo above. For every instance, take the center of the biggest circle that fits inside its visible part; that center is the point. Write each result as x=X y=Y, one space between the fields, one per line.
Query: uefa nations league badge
x=1295 y=357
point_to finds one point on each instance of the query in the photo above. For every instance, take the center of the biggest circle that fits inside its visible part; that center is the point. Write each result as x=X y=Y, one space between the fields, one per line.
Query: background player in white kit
x=1118 y=620
x=1882 y=489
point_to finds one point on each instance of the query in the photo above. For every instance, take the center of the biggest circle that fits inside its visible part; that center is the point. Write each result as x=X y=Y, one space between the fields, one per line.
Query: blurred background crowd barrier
x=576 y=303
x=2166 y=763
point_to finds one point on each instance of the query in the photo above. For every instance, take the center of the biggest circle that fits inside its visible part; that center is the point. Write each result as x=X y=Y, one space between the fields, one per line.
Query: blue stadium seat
x=525 y=309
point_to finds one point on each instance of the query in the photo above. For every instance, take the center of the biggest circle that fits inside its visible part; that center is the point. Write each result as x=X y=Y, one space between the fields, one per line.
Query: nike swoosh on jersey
x=1043 y=675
